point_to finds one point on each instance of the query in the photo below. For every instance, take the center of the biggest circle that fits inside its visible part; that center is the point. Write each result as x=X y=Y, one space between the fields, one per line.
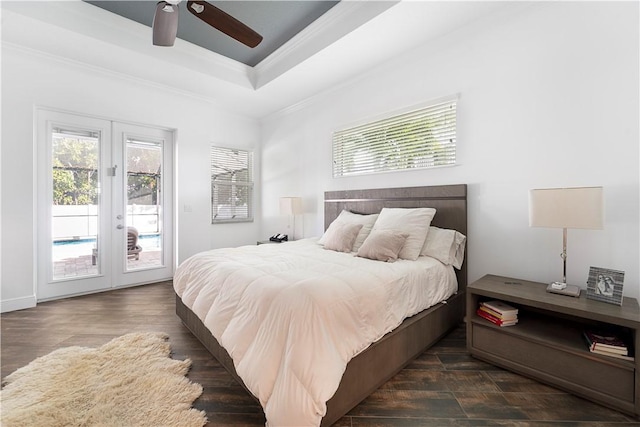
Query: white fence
x=74 y=222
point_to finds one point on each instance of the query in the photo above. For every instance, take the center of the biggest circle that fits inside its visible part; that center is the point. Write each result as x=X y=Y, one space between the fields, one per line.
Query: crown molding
x=90 y=21
x=7 y=46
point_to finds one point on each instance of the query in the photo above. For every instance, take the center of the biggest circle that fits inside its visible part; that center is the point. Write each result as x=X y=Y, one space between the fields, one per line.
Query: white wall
x=548 y=98
x=30 y=79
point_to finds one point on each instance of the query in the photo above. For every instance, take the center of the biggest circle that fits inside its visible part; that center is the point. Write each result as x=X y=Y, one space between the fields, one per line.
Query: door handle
x=119 y=226
x=119 y=217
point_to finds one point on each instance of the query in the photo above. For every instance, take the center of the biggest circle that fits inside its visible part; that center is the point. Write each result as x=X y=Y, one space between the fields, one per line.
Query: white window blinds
x=231 y=185
x=418 y=139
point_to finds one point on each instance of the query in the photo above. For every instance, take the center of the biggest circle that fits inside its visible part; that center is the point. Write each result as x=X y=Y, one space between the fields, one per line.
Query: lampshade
x=290 y=205
x=580 y=207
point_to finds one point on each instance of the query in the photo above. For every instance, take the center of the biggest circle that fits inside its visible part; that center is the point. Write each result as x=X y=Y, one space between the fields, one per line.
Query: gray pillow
x=383 y=245
x=341 y=237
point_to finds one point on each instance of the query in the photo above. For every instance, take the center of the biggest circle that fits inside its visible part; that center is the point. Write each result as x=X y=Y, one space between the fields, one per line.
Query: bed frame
x=373 y=367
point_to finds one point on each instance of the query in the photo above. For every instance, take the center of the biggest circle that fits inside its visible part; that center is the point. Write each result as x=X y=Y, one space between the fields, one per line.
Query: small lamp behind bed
x=291 y=206
x=566 y=208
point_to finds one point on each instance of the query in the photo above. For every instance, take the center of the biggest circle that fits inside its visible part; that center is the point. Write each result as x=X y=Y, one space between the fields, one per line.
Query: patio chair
x=133 y=249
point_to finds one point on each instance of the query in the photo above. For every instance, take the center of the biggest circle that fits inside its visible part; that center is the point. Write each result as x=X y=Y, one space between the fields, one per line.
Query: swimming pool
x=64 y=249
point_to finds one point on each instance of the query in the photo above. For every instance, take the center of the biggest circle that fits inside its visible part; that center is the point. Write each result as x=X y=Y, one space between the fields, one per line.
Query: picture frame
x=605 y=285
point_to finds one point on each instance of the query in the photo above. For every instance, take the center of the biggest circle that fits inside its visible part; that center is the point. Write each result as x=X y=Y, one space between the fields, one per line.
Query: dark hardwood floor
x=443 y=387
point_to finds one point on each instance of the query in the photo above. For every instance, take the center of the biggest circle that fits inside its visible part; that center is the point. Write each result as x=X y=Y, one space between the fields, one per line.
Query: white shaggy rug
x=130 y=381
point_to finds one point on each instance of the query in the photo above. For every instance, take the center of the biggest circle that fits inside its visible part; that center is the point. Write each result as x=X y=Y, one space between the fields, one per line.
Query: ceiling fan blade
x=165 y=24
x=224 y=22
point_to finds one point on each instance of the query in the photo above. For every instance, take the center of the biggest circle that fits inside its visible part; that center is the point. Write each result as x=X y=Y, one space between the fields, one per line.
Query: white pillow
x=413 y=221
x=445 y=245
x=352 y=218
x=341 y=237
x=383 y=245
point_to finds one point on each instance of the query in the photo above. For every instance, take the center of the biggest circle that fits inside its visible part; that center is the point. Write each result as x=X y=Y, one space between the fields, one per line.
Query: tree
x=144 y=162
x=75 y=177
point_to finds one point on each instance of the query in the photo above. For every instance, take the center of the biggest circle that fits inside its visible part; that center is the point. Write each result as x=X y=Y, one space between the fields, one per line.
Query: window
x=418 y=139
x=231 y=185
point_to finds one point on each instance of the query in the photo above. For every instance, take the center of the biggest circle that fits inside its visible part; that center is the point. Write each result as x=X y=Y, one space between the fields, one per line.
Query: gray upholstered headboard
x=450 y=202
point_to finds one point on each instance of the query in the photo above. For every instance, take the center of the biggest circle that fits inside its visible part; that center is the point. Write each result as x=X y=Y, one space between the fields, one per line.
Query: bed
x=372 y=367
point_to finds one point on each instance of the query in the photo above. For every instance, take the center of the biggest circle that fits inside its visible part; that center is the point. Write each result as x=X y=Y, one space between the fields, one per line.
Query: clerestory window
x=419 y=139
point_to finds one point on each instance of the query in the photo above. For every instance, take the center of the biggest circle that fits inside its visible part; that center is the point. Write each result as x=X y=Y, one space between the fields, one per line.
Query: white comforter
x=292 y=315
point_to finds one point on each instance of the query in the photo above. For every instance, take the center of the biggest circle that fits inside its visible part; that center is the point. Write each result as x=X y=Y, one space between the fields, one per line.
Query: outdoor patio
x=81 y=265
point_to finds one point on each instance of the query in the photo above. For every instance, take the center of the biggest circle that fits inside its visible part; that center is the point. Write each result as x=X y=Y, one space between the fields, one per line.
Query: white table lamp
x=291 y=206
x=564 y=208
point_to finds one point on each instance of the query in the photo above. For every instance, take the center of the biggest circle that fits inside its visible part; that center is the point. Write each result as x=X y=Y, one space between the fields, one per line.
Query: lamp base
x=567 y=290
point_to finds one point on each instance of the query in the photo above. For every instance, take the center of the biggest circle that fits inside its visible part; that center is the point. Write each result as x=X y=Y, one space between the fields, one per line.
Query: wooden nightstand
x=265 y=242
x=547 y=342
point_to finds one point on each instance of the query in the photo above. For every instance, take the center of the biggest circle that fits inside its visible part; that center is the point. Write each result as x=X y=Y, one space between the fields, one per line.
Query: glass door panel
x=144 y=204
x=75 y=196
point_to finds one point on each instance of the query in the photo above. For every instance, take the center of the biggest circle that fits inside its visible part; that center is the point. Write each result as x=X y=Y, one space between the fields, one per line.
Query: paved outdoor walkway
x=82 y=266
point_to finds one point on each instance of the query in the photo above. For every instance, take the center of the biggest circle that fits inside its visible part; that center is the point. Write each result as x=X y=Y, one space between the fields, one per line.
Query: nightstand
x=547 y=342
x=265 y=242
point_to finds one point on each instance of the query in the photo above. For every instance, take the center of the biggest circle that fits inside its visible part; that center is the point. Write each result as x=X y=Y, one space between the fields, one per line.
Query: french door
x=105 y=192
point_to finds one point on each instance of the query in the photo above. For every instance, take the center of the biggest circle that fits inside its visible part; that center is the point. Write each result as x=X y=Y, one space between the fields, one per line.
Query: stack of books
x=498 y=312
x=607 y=343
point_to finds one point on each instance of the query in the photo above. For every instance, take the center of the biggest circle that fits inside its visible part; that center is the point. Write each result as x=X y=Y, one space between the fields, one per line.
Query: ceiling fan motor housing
x=165 y=23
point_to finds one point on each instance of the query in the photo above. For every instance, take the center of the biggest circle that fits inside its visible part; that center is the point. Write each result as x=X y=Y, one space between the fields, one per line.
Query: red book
x=494 y=319
x=605 y=341
x=498 y=315
x=501 y=307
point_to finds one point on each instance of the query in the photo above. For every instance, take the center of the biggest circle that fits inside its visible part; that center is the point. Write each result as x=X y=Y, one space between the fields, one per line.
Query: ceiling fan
x=165 y=22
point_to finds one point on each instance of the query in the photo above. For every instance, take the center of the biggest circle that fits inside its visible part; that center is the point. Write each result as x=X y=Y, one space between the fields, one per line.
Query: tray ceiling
x=276 y=21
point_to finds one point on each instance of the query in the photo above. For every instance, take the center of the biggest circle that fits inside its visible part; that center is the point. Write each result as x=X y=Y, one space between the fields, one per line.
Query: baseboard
x=17 y=304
